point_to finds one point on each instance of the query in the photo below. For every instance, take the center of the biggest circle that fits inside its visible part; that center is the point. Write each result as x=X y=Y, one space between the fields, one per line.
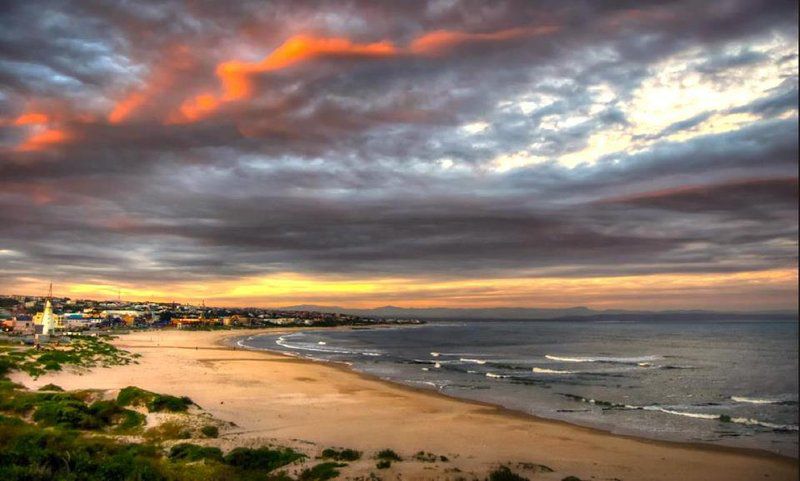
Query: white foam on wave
x=681 y=413
x=283 y=342
x=541 y=370
x=435 y=354
x=496 y=376
x=623 y=360
x=764 y=424
x=752 y=400
x=717 y=417
x=474 y=361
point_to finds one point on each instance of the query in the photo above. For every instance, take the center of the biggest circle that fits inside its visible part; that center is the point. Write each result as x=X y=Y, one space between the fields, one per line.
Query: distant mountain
x=521 y=313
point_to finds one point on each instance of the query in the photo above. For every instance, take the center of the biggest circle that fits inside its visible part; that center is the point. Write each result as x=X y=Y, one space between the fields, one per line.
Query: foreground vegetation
x=77 y=352
x=53 y=434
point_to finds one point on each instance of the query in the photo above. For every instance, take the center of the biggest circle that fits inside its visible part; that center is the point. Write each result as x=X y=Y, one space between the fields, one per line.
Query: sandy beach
x=277 y=399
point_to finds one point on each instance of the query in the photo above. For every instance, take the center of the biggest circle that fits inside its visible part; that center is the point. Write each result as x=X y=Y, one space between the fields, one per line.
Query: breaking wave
x=303 y=346
x=620 y=360
x=541 y=370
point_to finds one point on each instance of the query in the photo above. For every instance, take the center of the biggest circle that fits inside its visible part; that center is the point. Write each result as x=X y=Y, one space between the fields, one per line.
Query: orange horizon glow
x=727 y=291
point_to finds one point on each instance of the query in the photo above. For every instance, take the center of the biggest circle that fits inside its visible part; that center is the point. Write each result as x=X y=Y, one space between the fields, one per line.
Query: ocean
x=732 y=383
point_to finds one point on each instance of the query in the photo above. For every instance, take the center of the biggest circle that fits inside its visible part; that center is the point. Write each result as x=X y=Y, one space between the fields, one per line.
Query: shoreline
x=506 y=411
x=275 y=398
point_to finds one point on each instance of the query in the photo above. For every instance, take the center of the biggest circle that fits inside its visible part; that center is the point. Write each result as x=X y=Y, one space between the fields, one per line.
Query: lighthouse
x=46 y=318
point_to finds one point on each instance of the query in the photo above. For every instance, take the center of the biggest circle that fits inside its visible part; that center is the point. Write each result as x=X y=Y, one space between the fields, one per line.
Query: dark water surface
x=732 y=383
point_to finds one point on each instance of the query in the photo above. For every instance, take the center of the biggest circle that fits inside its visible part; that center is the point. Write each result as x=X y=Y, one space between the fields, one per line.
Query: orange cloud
x=43 y=139
x=235 y=74
x=31 y=118
x=440 y=40
x=125 y=107
x=195 y=108
x=178 y=58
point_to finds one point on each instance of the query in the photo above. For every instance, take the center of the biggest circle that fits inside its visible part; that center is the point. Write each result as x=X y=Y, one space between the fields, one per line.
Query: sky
x=639 y=155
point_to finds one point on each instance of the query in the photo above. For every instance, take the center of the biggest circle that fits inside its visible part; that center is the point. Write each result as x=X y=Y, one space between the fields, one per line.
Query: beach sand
x=276 y=399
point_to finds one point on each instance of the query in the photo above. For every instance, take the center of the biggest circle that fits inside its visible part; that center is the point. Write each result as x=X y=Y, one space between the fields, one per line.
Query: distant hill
x=527 y=313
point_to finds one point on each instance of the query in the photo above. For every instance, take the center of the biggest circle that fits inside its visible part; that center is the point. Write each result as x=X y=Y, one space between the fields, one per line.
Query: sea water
x=732 y=383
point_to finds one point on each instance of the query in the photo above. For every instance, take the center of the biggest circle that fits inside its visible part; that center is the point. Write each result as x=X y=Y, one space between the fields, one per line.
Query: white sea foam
x=541 y=370
x=322 y=343
x=752 y=400
x=435 y=354
x=681 y=413
x=717 y=417
x=475 y=361
x=496 y=376
x=437 y=365
x=764 y=424
x=283 y=342
x=622 y=360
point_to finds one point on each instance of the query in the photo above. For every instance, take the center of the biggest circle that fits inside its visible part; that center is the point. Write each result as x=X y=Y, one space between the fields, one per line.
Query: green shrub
x=193 y=452
x=168 y=430
x=343 y=455
x=262 y=458
x=503 y=473
x=210 y=431
x=320 y=472
x=424 y=457
x=389 y=455
x=165 y=402
x=51 y=387
x=383 y=464
x=6 y=366
x=69 y=413
x=571 y=478
x=134 y=396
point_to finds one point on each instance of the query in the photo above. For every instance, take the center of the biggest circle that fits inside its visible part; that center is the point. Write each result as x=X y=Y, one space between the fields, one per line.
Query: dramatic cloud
x=437 y=152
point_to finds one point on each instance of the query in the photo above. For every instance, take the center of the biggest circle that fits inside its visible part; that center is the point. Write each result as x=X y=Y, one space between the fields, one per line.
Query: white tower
x=48 y=320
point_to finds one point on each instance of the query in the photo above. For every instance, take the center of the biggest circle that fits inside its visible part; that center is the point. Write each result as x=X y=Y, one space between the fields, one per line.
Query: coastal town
x=38 y=317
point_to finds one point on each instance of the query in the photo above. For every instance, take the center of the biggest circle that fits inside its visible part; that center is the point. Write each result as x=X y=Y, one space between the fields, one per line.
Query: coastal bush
x=79 y=352
x=134 y=396
x=111 y=413
x=6 y=366
x=194 y=452
x=210 y=431
x=69 y=413
x=343 y=455
x=28 y=452
x=165 y=402
x=383 y=464
x=262 y=458
x=424 y=457
x=168 y=430
x=388 y=455
x=51 y=387
x=320 y=472
x=503 y=473
x=571 y=478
